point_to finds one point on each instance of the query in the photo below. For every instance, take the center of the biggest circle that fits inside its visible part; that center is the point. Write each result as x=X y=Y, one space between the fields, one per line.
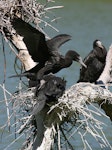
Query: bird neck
x=68 y=61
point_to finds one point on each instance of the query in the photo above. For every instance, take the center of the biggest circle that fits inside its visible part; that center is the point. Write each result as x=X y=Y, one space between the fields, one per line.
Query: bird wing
x=54 y=43
x=33 y=39
x=89 y=58
x=85 y=73
x=92 y=72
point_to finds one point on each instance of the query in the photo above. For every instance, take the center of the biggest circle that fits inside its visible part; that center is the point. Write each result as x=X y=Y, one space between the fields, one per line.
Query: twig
x=7 y=107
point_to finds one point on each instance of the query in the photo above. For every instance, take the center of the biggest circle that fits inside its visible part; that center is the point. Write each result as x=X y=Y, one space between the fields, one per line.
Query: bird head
x=76 y=57
x=98 y=43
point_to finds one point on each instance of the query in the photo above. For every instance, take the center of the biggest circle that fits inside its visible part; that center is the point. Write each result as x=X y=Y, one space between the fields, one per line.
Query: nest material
x=72 y=112
x=62 y=119
x=29 y=10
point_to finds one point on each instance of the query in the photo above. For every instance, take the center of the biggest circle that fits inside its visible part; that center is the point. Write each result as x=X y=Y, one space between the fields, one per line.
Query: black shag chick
x=52 y=88
x=95 y=62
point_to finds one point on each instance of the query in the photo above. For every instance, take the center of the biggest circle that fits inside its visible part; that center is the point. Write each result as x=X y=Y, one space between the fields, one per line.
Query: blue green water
x=85 y=21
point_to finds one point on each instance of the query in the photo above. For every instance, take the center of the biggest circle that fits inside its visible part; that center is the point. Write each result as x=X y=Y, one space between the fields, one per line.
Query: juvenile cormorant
x=50 y=67
x=44 y=52
x=52 y=88
x=95 y=62
x=63 y=62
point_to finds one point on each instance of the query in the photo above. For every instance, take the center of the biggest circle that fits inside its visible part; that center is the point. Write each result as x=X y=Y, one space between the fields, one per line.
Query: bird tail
x=18 y=75
x=25 y=74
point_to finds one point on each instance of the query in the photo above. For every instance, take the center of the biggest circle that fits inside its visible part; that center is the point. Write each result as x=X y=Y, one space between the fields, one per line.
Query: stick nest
x=74 y=113
x=29 y=10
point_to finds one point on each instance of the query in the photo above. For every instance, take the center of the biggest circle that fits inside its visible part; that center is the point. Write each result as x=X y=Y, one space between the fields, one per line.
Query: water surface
x=85 y=21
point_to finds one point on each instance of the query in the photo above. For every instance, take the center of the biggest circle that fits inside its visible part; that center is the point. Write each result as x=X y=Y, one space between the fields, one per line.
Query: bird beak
x=81 y=62
x=100 y=44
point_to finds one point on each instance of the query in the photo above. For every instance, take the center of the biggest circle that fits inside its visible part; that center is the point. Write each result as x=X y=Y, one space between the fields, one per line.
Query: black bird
x=95 y=62
x=50 y=67
x=39 y=49
x=63 y=62
x=44 y=52
x=52 y=88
